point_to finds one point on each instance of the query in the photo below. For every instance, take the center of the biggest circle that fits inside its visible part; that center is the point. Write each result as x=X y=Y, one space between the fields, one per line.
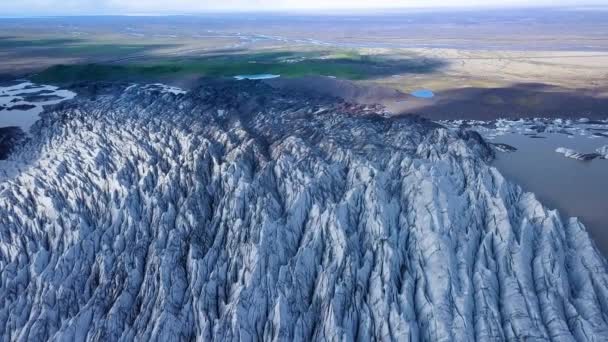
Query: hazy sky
x=25 y=7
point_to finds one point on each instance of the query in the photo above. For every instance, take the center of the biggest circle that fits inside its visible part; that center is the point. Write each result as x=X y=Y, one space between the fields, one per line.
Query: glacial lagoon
x=576 y=188
x=21 y=103
x=531 y=159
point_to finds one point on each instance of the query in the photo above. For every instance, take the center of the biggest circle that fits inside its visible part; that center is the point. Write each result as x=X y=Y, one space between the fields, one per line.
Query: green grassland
x=72 y=47
x=14 y=42
x=347 y=65
x=106 y=49
x=116 y=58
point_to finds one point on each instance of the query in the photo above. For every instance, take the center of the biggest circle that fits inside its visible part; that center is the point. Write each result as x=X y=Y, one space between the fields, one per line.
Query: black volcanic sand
x=517 y=101
x=343 y=89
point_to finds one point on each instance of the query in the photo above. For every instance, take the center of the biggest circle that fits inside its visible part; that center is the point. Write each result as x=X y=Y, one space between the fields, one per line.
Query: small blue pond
x=423 y=93
x=256 y=77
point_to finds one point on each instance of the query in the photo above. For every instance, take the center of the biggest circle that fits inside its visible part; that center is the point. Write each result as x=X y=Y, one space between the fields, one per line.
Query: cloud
x=172 y=6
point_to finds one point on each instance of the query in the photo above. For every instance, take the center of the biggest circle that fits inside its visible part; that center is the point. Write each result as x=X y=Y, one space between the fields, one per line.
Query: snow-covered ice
x=134 y=216
x=570 y=153
x=603 y=151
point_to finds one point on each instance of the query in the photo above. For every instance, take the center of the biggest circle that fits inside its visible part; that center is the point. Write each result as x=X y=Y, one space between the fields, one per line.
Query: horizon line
x=317 y=11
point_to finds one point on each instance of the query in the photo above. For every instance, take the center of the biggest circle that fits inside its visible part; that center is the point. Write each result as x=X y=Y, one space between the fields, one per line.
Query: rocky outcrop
x=237 y=212
x=9 y=138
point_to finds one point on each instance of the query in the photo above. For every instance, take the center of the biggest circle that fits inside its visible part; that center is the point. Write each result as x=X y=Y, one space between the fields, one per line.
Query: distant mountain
x=240 y=212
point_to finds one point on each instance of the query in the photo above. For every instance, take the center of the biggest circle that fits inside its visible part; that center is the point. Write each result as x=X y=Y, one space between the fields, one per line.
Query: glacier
x=240 y=212
x=570 y=153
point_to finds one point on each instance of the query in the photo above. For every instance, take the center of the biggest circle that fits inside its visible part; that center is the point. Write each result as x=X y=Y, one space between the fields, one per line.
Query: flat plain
x=550 y=62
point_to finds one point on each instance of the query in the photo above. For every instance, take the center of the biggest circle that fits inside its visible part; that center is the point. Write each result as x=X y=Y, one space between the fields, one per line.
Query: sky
x=38 y=7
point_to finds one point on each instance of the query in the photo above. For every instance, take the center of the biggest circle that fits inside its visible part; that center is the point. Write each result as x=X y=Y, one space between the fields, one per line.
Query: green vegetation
x=344 y=65
x=12 y=43
x=69 y=47
x=106 y=49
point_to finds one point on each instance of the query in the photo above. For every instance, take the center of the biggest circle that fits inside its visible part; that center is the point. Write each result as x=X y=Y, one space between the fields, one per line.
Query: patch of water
x=19 y=111
x=256 y=77
x=423 y=93
x=576 y=188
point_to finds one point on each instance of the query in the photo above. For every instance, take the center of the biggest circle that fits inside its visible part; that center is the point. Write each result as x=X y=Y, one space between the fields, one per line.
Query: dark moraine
x=21 y=107
x=40 y=92
x=9 y=137
x=33 y=86
x=42 y=98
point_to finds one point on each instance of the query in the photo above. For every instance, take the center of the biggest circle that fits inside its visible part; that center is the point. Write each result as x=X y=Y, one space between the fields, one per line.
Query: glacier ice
x=603 y=151
x=570 y=153
x=533 y=127
x=238 y=212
